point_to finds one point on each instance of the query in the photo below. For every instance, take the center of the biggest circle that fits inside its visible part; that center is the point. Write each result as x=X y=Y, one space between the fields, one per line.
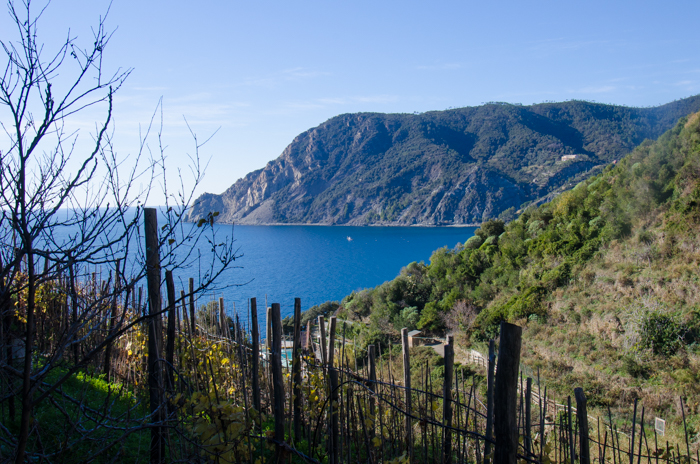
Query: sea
x=319 y=263
x=278 y=263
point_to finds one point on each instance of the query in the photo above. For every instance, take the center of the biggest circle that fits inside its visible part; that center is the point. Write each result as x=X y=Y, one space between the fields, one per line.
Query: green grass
x=70 y=426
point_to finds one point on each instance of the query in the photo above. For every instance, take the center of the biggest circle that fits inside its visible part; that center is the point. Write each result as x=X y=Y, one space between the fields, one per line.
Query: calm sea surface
x=317 y=263
x=314 y=263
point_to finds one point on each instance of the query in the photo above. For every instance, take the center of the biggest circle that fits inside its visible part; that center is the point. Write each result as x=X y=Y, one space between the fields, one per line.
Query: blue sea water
x=276 y=264
x=321 y=263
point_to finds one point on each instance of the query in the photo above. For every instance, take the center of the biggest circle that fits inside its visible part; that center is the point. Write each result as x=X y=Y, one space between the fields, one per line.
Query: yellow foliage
x=403 y=459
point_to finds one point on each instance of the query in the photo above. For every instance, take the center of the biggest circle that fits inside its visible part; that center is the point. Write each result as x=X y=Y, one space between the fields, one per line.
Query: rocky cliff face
x=459 y=166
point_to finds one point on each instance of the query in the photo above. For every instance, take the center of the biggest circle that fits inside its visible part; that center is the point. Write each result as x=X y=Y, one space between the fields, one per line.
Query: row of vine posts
x=322 y=410
x=205 y=389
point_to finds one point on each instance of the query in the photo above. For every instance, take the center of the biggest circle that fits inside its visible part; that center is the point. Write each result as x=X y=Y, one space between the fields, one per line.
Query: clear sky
x=262 y=72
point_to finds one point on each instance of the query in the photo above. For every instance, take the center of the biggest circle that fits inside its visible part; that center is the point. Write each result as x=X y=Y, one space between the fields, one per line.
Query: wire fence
x=220 y=395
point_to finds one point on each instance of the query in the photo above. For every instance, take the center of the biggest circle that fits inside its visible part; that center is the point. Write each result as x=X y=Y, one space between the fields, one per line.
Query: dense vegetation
x=603 y=278
x=460 y=166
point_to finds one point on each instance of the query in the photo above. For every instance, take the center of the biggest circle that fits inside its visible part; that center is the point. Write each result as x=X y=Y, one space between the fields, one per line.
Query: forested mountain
x=459 y=166
x=604 y=280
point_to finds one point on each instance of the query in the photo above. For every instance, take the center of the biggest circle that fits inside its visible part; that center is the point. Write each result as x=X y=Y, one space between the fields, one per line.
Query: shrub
x=461 y=317
x=324 y=309
x=430 y=318
x=661 y=333
x=557 y=277
x=527 y=303
x=645 y=237
x=371 y=335
x=491 y=240
x=633 y=368
x=493 y=227
x=474 y=242
x=408 y=317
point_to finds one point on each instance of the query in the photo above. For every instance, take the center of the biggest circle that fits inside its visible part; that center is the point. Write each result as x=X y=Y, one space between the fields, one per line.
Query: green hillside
x=604 y=279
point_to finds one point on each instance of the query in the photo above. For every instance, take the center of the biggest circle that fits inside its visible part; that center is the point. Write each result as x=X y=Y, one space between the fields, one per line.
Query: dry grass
x=591 y=336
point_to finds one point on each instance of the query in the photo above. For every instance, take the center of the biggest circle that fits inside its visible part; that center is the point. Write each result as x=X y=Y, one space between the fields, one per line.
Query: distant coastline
x=443 y=168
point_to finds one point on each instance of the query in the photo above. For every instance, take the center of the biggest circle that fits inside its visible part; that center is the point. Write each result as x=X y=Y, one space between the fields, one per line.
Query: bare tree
x=76 y=212
x=460 y=318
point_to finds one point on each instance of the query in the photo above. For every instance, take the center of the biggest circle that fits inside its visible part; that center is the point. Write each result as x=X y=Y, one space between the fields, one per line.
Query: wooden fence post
x=642 y=437
x=154 y=309
x=572 y=448
x=333 y=391
x=685 y=429
x=225 y=330
x=268 y=337
x=447 y=400
x=193 y=319
x=142 y=307
x=277 y=379
x=489 y=398
x=506 y=395
x=407 y=392
x=330 y=351
x=372 y=379
x=634 y=425
x=73 y=321
x=112 y=322
x=582 y=413
x=528 y=417
x=322 y=332
x=179 y=319
x=543 y=414
x=308 y=343
x=296 y=369
x=256 y=356
x=185 y=319
x=170 y=342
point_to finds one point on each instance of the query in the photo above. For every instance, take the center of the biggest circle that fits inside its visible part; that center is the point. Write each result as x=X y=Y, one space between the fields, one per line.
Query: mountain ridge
x=453 y=167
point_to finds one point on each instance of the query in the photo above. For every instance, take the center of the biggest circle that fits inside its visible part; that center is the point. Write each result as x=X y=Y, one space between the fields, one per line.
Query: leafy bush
x=557 y=277
x=324 y=309
x=474 y=242
x=527 y=303
x=645 y=237
x=430 y=318
x=490 y=228
x=661 y=333
x=634 y=368
x=408 y=317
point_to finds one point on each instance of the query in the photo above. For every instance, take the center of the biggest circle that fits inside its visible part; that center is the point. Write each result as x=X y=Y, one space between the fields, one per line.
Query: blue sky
x=262 y=72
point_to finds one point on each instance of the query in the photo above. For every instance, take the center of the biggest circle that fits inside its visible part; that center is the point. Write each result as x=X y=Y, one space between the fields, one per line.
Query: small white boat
x=349 y=238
